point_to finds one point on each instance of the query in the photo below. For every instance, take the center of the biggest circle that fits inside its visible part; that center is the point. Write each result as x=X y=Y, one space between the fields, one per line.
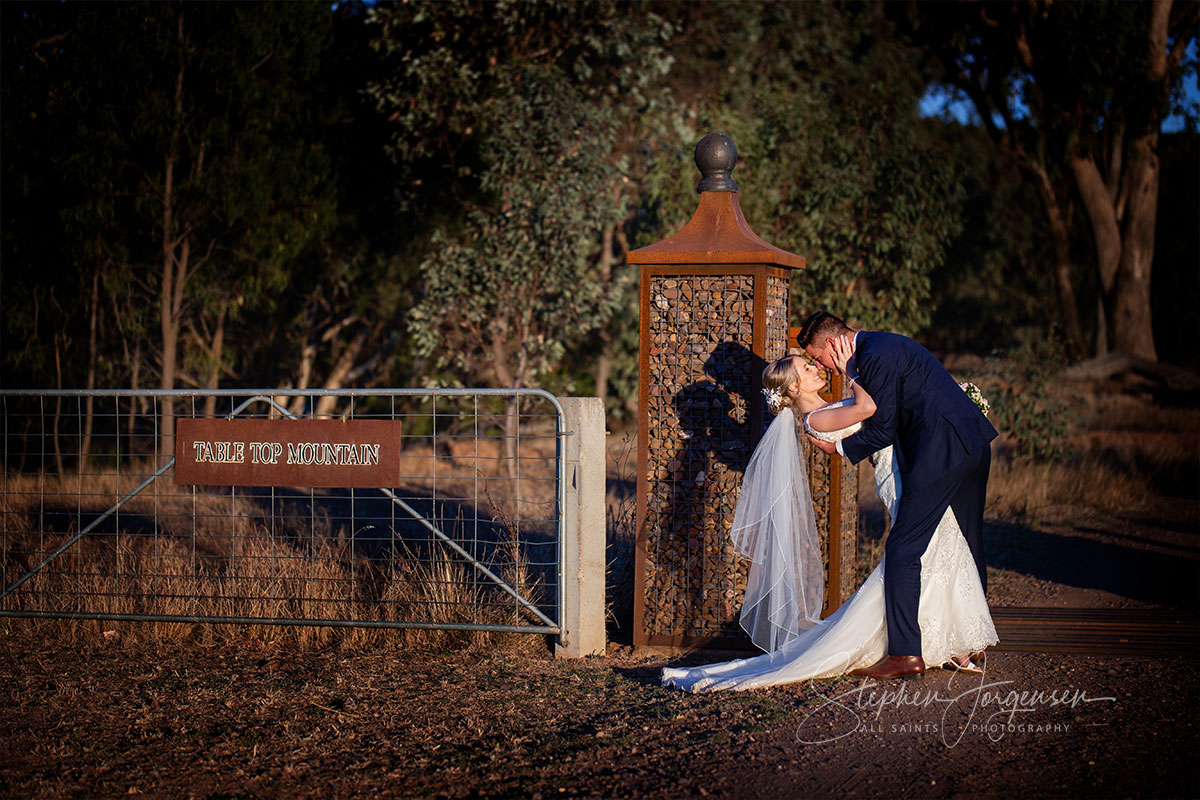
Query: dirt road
x=183 y=723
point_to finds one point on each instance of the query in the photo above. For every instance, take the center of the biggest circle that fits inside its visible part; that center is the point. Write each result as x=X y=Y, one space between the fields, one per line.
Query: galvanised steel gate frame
x=545 y=625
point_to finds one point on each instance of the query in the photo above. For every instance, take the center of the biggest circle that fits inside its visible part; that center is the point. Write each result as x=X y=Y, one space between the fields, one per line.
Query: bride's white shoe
x=962 y=664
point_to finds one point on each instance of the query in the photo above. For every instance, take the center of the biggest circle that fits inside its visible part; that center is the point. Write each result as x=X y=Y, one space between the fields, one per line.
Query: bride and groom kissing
x=924 y=603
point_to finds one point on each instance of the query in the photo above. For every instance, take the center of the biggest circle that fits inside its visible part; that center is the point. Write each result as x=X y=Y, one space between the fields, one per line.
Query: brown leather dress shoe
x=906 y=667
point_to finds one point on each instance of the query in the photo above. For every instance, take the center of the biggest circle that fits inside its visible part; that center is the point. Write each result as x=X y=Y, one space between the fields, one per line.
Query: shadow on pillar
x=715 y=417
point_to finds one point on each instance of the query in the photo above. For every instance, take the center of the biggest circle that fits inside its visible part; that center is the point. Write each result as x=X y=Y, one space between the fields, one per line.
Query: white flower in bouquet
x=976 y=396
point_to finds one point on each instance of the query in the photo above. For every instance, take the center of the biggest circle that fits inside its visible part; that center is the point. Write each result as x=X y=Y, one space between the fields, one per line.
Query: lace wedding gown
x=953 y=612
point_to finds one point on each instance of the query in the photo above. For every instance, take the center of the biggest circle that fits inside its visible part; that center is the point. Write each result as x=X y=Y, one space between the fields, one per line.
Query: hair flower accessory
x=976 y=396
x=774 y=400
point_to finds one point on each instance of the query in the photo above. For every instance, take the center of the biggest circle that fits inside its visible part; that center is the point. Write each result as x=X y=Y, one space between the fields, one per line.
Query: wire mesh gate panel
x=93 y=524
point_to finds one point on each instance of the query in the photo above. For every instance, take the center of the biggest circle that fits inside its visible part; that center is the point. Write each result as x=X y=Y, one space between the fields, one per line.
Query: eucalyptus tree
x=506 y=121
x=822 y=101
x=178 y=141
x=1075 y=94
x=540 y=140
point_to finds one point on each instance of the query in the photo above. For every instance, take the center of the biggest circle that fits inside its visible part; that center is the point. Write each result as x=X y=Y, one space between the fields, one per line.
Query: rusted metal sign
x=322 y=453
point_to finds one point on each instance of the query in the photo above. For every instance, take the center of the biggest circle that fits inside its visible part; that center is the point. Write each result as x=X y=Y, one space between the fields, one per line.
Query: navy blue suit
x=940 y=440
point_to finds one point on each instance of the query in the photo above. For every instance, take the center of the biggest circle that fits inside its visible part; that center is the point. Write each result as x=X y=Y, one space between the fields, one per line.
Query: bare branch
x=264 y=60
x=1160 y=15
x=333 y=330
x=1183 y=29
x=1023 y=49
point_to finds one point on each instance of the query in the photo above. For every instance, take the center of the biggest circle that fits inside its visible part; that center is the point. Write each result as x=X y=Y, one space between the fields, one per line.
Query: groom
x=941 y=445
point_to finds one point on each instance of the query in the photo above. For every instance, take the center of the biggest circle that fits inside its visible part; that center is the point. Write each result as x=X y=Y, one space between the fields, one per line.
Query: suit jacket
x=920 y=409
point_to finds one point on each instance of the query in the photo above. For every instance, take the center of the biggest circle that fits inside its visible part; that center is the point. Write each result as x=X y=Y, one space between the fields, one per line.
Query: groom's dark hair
x=818 y=327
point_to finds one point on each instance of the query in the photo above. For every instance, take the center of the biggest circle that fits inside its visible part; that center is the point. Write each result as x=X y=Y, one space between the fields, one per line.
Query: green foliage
x=507 y=296
x=997 y=280
x=1024 y=403
x=1074 y=95
x=449 y=62
x=830 y=164
x=514 y=120
x=527 y=145
x=121 y=112
x=1048 y=76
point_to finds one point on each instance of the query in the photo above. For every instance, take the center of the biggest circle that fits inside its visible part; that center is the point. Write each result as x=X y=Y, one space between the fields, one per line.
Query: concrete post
x=582 y=615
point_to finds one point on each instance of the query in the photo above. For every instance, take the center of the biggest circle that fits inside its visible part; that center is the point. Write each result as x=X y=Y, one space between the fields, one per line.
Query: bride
x=774 y=527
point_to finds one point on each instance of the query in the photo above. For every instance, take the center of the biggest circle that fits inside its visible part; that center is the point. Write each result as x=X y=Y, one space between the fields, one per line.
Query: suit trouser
x=963 y=489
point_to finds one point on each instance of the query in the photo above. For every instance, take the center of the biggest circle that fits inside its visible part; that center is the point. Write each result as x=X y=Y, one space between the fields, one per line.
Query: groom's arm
x=879 y=430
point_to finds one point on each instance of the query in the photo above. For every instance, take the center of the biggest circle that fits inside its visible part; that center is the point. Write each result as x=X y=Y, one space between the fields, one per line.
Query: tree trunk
x=58 y=460
x=1123 y=229
x=308 y=355
x=1101 y=343
x=603 y=368
x=1131 y=330
x=135 y=373
x=176 y=250
x=89 y=403
x=338 y=375
x=508 y=378
x=174 y=276
x=216 y=348
x=1060 y=233
x=605 y=267
x=512 y=430
x=1123 y=208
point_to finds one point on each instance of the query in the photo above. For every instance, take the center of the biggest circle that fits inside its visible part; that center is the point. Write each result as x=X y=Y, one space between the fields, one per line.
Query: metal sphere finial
x=716 y=156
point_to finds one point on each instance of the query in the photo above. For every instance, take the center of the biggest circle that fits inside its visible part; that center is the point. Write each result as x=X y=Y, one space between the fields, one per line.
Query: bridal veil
x=774 y=528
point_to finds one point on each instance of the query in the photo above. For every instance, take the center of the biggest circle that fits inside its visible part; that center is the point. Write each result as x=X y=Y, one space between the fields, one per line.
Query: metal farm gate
x=93 y=524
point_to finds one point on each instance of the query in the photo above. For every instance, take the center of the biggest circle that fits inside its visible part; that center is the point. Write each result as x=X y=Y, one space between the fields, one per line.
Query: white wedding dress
x=953 y=612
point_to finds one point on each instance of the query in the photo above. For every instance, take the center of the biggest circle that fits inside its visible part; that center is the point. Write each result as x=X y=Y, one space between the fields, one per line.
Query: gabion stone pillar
x=714 y=312
x=834 y=485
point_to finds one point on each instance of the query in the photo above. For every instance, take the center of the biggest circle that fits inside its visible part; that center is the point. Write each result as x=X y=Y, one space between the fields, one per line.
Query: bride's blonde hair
x=777 y=376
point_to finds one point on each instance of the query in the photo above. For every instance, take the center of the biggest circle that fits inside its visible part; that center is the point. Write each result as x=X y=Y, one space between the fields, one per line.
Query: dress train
x=953 y=613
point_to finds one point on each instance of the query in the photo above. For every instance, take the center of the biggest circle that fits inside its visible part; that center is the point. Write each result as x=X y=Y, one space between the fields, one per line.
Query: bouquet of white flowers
x=976 y=396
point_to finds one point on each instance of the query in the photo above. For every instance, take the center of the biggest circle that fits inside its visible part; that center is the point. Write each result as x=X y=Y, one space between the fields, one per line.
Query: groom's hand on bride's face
x=841 y=349
x=825 y=447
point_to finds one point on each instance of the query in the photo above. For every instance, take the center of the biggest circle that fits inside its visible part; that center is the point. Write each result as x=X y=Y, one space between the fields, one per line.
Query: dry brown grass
x=216 y=556
x=1125 y=456
x=1021 y=490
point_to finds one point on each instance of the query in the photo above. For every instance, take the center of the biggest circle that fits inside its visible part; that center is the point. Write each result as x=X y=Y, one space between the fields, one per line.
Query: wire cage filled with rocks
x=715 y=302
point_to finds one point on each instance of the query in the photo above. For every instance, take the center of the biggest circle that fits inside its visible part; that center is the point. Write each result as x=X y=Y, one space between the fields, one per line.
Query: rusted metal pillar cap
x=716 y=156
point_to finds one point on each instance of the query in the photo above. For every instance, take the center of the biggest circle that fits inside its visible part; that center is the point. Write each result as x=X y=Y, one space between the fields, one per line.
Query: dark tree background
x=210 y=194
x=1075 y=96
